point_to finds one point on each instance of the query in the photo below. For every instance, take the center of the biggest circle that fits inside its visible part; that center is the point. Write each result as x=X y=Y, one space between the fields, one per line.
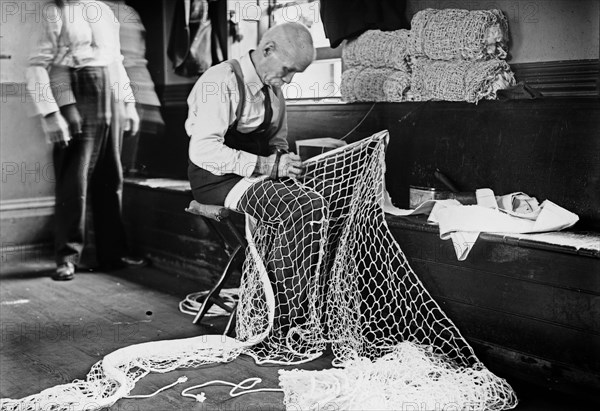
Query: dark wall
x=547 y=148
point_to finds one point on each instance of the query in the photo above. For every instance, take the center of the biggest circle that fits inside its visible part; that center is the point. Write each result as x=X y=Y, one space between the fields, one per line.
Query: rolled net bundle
x=450 y=34
x=378 y=49
x=459 y=80
x=374 y=84
x=347 y=89
x=329 y=273
x=396 y=87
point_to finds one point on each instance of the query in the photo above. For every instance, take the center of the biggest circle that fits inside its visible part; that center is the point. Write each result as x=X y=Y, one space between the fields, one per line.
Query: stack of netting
x=378 y=49
x=453 y=34
x=377 y=68
x=459 y=80
x=375 y=84
x=458 y=55
x=453 y=55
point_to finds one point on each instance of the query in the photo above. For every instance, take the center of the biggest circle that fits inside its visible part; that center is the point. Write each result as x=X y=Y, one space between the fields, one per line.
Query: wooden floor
x=53 y=332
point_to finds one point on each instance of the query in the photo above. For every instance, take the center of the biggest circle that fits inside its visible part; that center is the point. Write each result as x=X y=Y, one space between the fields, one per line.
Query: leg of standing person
x=71 y=168
x=74 y=165
x=106 y=189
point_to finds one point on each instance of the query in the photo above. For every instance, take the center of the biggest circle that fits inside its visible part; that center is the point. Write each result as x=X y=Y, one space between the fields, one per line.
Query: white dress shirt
x=84 y=33
x=212 y=109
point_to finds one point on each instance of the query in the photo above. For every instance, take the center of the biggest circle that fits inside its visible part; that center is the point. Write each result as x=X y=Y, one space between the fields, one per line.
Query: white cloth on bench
x=463 y=223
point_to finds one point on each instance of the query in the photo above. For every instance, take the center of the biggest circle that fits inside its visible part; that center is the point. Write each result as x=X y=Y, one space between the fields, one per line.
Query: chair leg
x=232 y=318
x=213 y=296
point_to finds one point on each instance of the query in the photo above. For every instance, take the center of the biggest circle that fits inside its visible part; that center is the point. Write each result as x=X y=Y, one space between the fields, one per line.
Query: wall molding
x=36 y=205
x=570 y=78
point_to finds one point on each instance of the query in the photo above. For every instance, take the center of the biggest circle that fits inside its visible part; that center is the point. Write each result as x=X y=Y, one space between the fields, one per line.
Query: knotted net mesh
x=378 y=49
x=357 y=293
x=458 y=34
x=459 y=80
x=324 y=269
x=375 y=84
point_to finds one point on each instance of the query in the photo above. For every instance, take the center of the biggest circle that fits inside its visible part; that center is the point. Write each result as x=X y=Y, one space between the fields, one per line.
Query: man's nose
x=288 y=78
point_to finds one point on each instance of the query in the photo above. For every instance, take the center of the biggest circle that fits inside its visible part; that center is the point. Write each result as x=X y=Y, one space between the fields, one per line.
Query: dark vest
x=207 y=187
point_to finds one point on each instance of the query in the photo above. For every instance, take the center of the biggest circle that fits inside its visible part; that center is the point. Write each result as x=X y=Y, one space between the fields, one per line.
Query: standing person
x=79 y=45
x=132 y=36
x=239 y=156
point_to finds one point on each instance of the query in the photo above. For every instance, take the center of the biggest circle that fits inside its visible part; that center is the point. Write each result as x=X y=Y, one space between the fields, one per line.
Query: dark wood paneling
x=159 y=227
x=551 y=377
x=558 y=306
x=569 y=271
x=530 y=313
x=548 y=148
x=561 y=78
x=547 y=341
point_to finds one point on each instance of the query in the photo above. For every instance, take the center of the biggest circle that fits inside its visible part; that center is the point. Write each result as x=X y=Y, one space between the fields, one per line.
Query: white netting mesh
x=324 y=268
x=375 y=84
x=459 y=80
x=378 y=49
x=458 y=34
x=409 y=377
x=115 y=376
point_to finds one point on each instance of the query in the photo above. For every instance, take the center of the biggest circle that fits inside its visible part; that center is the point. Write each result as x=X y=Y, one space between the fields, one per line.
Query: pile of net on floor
x=350 y=288
x=450 y=54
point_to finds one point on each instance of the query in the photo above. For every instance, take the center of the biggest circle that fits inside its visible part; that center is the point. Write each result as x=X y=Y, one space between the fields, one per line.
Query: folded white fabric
x=515 y=213
x=463 y=223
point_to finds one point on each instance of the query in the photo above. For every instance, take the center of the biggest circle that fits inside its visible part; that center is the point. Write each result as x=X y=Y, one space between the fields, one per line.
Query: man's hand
x=131 y=119
x=290 y=165
x=56 y=129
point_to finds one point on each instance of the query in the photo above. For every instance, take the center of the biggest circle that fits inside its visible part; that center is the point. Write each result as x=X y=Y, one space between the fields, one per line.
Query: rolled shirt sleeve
x=43 y=54
x=212 y=106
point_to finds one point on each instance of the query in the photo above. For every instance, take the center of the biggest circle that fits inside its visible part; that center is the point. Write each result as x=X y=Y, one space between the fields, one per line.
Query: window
x=322 y=79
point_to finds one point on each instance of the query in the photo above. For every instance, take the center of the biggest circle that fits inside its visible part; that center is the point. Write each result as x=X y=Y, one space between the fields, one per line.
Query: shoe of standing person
x=64 y=272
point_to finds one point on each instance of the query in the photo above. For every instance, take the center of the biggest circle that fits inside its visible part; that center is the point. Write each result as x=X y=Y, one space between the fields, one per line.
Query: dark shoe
x=123 y=262
x=132 y=262
x=64 y=272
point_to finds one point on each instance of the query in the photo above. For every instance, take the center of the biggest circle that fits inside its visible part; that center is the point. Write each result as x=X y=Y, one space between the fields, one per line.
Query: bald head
x=283 y=50
x=292 y=40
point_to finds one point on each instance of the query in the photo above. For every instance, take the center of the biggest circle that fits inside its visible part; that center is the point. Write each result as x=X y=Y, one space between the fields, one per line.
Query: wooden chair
x=218 y=219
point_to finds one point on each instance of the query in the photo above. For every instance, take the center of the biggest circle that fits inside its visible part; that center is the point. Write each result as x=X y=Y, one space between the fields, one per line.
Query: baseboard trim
x=26 y=253
x=26 y=221
x=41 y=204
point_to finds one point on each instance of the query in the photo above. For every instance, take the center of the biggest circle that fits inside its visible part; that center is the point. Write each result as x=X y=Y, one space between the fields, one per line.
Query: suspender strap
x=282 y=108
x=237 y=69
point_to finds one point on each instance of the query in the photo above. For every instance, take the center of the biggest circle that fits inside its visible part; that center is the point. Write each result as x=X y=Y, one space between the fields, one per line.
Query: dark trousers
x=89 y=165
